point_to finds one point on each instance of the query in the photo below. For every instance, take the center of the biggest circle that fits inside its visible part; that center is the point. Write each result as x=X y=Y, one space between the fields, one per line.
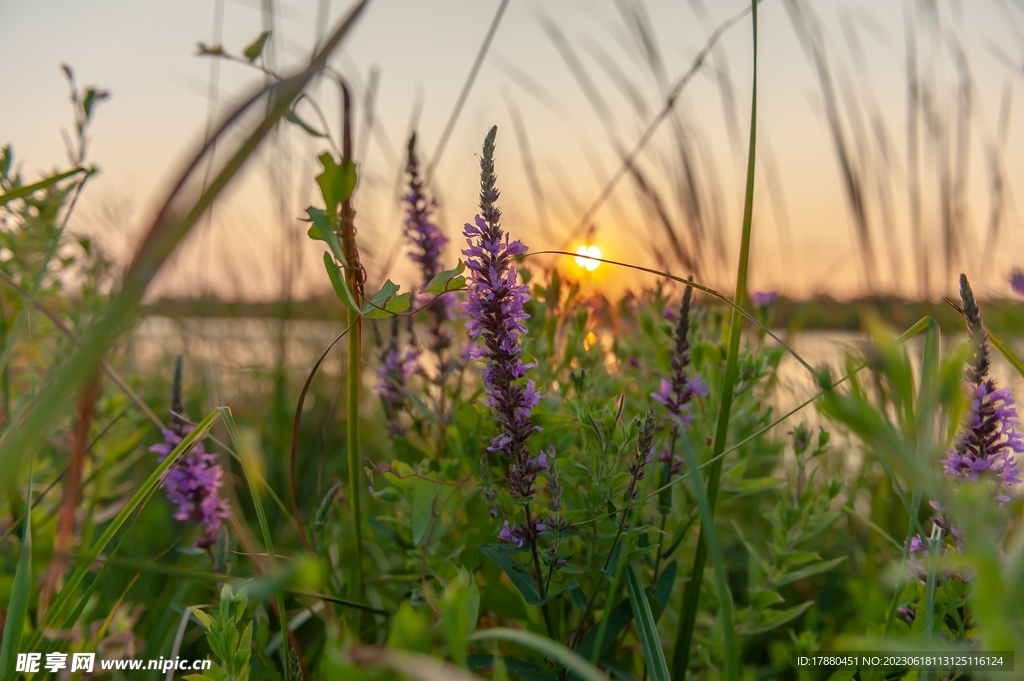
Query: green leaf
x=551 y=649
x=336 y=182
x=261 y=515
x=519 y=575
x=622 y=614
x=255 y=48
x=338 y=282
x=322 y=229
x=386 y=302
x=777 y=619
x=203 y=618
x=424 y=497
x=449 y=280
x=714 y=550
x=647 y=629
x=522 y=668
x=292 y=117
x=28 y=190
x=17 y=609
x=141 y=496
x=808 y=571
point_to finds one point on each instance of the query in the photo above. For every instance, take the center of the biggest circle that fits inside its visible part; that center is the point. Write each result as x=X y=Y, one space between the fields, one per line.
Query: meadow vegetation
x=509 y=479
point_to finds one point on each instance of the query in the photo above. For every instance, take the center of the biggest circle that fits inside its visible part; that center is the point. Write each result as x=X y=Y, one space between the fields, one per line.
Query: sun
x=584 y=255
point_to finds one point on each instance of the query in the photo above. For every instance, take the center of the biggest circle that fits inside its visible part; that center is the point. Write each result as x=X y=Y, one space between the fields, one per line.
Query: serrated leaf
x=449 y=280
x=292 y=117
x=255 y=48
x=386 y=302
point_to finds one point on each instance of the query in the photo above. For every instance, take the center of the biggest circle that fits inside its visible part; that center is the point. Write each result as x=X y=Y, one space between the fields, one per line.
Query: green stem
x=354 y=465
x=665 y=501
x=691 y=598
x=540 y=575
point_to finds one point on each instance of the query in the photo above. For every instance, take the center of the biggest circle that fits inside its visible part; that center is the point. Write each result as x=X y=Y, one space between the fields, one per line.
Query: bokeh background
x=889 y=133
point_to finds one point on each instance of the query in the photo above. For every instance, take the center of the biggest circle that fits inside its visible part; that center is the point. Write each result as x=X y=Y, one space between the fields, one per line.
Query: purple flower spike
x=394 y=371
x=989 y=440
x=495 y=312
x=192 y=483
x=1017 y=281
x=677 y=392
x=763 y=298
x=428 y=243
x=426 y=237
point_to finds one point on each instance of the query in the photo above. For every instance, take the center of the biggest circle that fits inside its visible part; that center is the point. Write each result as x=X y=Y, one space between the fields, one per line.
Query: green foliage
x=430 y=575
x=232 y=648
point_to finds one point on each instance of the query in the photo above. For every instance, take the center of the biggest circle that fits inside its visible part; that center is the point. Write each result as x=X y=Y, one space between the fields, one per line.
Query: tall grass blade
x=710 y=539
x=28 y=190
x=553 y=650
x=1006 y=352
x=172 y=224
x=691 y=597
x=261 y=515
x=646 y=627
x=17 y=608
x=414 y=665
x=136 y=501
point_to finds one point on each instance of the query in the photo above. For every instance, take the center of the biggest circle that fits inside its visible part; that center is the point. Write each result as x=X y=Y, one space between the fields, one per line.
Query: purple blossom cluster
x=521 y=534
x=427 y=238
x=394 y=371
x=192 y=483
x=495 y=312
x=989 y=440
x=428 y=243
x=763 y=298
x=677 y=392
x=1017 y=281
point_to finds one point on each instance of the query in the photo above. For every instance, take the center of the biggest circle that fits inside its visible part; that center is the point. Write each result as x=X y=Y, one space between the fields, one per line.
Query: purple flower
x=763 y=298
x=192 y=484
x=677 y=392
x=521 y=534
x=394 y=371
x=1017 y=281
x=495 y=312
x=428 y=244
x=989 y=439
x=426 y=237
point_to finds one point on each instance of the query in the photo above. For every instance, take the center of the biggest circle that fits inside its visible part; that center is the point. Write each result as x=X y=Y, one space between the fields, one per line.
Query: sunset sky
x=419 y=53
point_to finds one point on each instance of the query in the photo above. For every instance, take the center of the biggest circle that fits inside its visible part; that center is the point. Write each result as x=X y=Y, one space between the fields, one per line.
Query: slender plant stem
x=607 y=562
x=666 y=505
x=540 y=575
x=691 y=597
